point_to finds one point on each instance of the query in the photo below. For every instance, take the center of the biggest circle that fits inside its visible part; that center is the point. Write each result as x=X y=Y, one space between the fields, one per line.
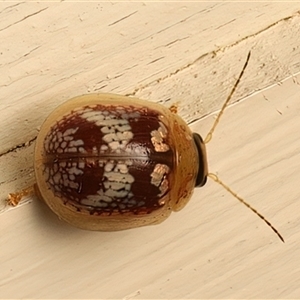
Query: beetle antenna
x=14 y=199
x=209 y=135
x=215 y=178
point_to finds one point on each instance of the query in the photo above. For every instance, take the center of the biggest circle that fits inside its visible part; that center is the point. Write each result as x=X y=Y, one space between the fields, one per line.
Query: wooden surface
x=184 y=53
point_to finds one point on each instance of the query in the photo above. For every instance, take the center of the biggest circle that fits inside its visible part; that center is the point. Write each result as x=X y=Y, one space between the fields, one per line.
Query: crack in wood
x=26 y=17
x=213 y=54
x=115 y=22
x=10 y=7
x=20 y=146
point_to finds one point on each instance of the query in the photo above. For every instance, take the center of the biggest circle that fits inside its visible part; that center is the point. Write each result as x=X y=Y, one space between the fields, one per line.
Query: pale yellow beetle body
x=109 y=162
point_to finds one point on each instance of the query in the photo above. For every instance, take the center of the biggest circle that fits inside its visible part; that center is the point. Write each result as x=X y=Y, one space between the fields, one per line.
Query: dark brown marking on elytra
x=145 y=196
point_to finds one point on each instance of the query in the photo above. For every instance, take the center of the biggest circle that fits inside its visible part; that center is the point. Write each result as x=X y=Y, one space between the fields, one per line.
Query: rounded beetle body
x=108 y=162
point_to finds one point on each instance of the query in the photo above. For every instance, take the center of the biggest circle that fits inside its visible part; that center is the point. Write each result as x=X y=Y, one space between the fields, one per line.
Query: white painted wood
x=182 y=52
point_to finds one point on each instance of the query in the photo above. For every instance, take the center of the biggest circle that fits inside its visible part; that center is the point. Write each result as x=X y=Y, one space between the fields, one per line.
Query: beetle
x=109 y=162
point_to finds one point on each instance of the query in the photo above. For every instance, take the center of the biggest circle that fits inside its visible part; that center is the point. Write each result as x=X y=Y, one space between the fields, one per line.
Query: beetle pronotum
x=109 y=162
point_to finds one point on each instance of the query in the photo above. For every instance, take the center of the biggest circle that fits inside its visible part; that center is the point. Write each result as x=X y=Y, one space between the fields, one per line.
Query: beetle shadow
x=47 y=220
x=48 y=223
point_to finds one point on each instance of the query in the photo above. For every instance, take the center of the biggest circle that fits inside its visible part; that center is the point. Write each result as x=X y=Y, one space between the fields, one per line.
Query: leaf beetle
x=109 y=162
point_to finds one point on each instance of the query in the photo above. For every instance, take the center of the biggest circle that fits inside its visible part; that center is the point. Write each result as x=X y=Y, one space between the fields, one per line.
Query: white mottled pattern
x=63 y=174
x=63 y=142
x=115 y=129
x=157 y=138
x=158 y=177
x=117 y=184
